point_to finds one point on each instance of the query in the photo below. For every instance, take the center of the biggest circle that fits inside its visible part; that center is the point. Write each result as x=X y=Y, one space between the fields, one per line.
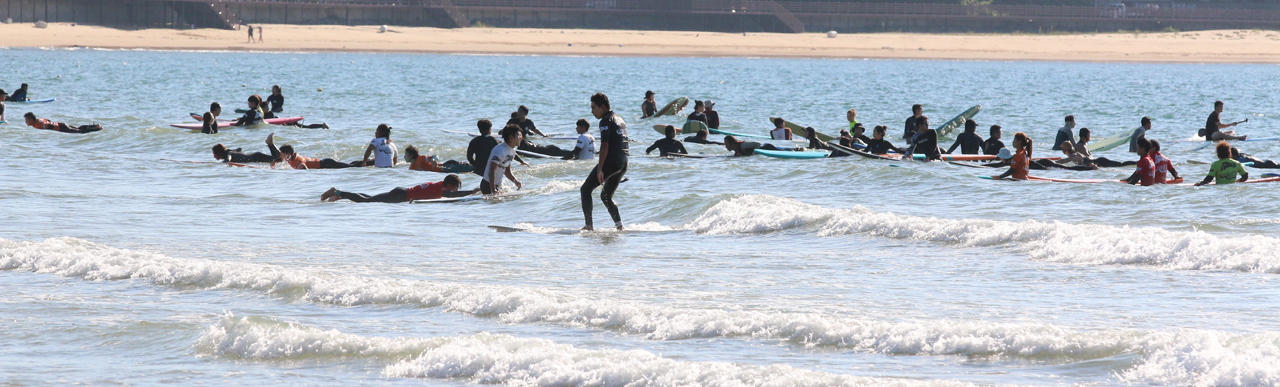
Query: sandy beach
x=1230 y=46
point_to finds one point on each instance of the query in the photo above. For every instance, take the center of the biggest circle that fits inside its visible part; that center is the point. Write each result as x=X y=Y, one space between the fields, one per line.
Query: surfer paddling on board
x=45 y=123
x=993 y=145
x=969 y=142
x=1257 y=162
x=480 y=147
x=1082 y=149
x=780 y=130
x=649 y=107
x=701 y=138
x=499 y=161
x=585 y=149
x=19 y=95
x=713 y=117
x=612 y=165
x=746 y=148
x=1213 y=126
x=419 y=162
x=427 y=191
x=909 y=131
x=1020 y=163
x=302 y=162
x=667 y=145
x=221 y=153
x=1224 y=170
x=878 y=145
x=925 y=141
x=1065 y=133
x=698 y=113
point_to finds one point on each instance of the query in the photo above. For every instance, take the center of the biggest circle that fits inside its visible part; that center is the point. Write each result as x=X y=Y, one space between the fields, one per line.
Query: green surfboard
x=673 y=107
x=950 y=126
x=690 y=127
x=798 y=131
x=1106 y=144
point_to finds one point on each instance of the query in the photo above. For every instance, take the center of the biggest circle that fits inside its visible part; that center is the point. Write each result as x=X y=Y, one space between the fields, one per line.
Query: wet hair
x=1026 y=141
x=208 y=121
x=1067 y=146
x=994 y=129
x=514 y=114
x=220 y=152
x=922 y=121
x=1235 y=153
x=698 y=104
x=846 y=142
x=880 y=129
x=1223 y=149
x=601 y=100
x=29 y=115
x=583 y=122
x=215 y=106
x=702 y=133
x=509 y=131
x=730 y=140
x=523 y=108
x=670 y=131
x=917 y=107
x=1069 y=119
x=970 y=125
x=485 y=126
x=411 y=152
x=287 y=148
x=809 y=132
x=648 y=94
x=276 y=87
x=453 y=180
x=256 y=99
x=383 y=130
x=1215 y=103
x=1144 y=144
x=779 y=121
x=1155 y=145
x=1146 y=121
x=1084 y=132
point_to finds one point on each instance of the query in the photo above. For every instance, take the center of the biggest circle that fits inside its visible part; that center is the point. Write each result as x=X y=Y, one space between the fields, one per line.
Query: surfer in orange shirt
x=45 y=123
x=419 y=162
x=302 y=162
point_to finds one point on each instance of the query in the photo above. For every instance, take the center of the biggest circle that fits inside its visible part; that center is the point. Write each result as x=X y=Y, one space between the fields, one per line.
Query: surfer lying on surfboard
x=45 y=123
x=221 y=153
x=1224 y=170
x=667 y=145
x=419 y=162
x=426 y=191
x=746 y=148
x=701 y=138
x=298 y=161
x=1257 y=162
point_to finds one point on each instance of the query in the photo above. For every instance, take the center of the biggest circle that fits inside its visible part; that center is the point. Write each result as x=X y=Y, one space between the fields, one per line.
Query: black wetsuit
x=18 y=95
x=713 y=119
x=270 y=114
x=649 y=108
x=748 y=148
x=613 y=136
x=1257 y=162
x=862 y=139
x=237 y=156
x=209 y=129
x=397 y=195
x=926 y=143
x=696 y=140
x=695 y=116
x=527 y=128
x=880 y=147
x=667 y=146
x=478 y=152
x=82 y=129
x=250 y=117
x=969 y=144
x=1 y=108
x=992 y=146
x=909 y=132
x=276 y=102
x=815 y=143
x=1211 y=126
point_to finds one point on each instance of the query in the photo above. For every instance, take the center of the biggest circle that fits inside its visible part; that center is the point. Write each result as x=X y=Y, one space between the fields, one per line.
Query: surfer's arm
x=512 y=177
x=458 y=194
x=681 y=146
x=368 y=151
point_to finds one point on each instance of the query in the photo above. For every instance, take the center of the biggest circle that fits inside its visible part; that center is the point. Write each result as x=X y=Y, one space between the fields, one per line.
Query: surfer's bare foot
x=329 y=195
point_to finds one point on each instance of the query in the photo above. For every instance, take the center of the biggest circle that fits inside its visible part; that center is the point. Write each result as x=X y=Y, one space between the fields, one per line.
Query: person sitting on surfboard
x=909 y=131
x=969 y=142
x=585 y=149
x=1082 y=148
x=297 y=161
x=858 y=136
x=1224 y=170
x=221 y=153
x=1213 y=126
x=925 y=141
x=426 y=191
x=45 y=123
x=1257 y=162
x=418 y=162
x=780 y=130
x=993 y=145
x=498 y=164
x=649 y=107
x=1072 y=156
x=19 y=95
x=667 y=145
x=254 y=115
x=1065 y=133
x=384 y=151
x=1020 y=163
x=701 y=138
x=878 y=145
x=698 y=114
x=713 y=117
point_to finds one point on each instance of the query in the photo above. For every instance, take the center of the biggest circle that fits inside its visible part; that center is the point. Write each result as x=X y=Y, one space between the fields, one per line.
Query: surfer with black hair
x=480 y=146
x=19 y=95
x=585 y=149
x=1139 y=134
x=1146 y=172
x=969 y=142
x=221 y=153
x=1213 y=126
x=45 y=123
x=701 y=138
x=426 y=191
x=612 y=164
x=419 y=162
x=1257 y=162
x=713 y=116
x=815 y=143
x=297 y=161
x=993 y=145
x=521 y=119
x=667 y=145
x=1019 y=163
x=1082 y=149
x=499 y=161
x=909 y=131
x=1064 y=133
x=252 y=116
x=780 y=130
x=698 y=115
x=3 y=96
x=746 y=148
x=878 y=145
x=649 y=107
x=925 y=141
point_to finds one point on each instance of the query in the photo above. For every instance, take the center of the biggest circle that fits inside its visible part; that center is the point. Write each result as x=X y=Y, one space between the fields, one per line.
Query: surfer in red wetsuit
x=426 y=191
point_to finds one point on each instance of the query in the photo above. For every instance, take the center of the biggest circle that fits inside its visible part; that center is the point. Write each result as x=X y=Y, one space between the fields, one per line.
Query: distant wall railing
x=1031 y=12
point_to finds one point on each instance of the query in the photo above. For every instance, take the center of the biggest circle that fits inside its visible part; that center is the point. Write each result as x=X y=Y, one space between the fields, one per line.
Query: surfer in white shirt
x=499 y=164
x=586 y=148
x=383 y=150
x=780 y=132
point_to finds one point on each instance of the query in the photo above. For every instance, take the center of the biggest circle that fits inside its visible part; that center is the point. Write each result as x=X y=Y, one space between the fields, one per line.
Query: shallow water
x=123 y=266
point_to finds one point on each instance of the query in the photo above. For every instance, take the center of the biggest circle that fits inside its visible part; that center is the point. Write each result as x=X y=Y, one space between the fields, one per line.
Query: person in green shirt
x=1224 y=170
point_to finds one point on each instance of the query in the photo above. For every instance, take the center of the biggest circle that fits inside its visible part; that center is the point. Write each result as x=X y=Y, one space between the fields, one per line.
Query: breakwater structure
x=690 y=15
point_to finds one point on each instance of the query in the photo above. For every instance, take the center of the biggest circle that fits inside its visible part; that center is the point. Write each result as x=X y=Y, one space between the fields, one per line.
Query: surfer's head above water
x=599 y=105
x=922 y=123
x=878 y=132
x=410 y=153
x=917 y=110
x=215 y=108
x=1084 y=135
x=383 y=131
x=779 y=122
x=994 y=133
x=698 y=106
x=851 y=115
x=583 y=126
x=1223 y=149
x=970 y=126
x=1146 y=122
x=220 y=152
x=485 y=127
x=521 y=112
x=671 y=131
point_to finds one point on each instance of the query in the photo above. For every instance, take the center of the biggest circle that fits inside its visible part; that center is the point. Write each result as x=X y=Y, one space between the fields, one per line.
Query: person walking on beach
x=612 y=164
x=909 y=131
x=1213 y=127
x=649 y=107
x=250 y=34
x=259 y=34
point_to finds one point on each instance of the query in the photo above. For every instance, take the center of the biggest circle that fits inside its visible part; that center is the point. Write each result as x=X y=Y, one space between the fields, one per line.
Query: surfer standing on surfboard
x=649 y=107
x=612 y=165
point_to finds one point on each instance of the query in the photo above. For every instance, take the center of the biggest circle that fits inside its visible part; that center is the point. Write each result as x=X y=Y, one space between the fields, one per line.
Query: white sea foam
x=1046 y=241
x=502 y=359
x=1167 y=356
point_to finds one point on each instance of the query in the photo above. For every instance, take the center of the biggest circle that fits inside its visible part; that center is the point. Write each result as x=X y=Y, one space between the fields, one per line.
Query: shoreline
x=1229 y=46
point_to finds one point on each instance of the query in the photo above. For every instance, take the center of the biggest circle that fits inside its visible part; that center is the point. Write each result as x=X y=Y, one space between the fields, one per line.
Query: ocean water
x=129 y=257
